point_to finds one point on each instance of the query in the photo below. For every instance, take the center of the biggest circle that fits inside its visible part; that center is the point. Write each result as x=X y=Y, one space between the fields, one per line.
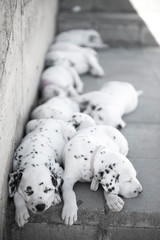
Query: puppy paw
x=69 y=214
x=80 y=88
x=94 y=185
x=22 y=217
x=115 y=203
x=99 y=72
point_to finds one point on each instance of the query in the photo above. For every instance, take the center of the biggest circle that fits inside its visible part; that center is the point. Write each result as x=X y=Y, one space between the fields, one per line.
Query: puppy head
x=38 y=186
x=115 y=173
x=95 y=40
x=56 y=58
x=52 y=91
x=107 y=115
x=129 y=186
x=81 y=121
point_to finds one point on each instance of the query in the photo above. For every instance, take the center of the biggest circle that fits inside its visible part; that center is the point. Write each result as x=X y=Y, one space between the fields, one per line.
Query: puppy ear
x=82 y=120
x=105 y=171
x=14 y=180
x=57 y=179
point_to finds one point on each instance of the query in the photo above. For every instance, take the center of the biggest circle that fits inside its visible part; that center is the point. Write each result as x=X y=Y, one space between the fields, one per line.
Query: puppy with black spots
x=65 y=109
x=110 y=103
x=98 y=155
x=37 y=175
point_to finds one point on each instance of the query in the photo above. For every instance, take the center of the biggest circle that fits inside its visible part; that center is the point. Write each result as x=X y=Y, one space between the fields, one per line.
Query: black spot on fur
x=110 y=166
x=93 y=107
x=100 y=118
x=76 y=125
x=107 y=171
x=117 y=178
x=41 y=183
x=29 y=191
x=101 y=174
x=54 y=181
x=99 y=109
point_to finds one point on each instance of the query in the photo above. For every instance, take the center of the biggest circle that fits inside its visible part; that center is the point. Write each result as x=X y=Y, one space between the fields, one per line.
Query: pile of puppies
x=73 y=137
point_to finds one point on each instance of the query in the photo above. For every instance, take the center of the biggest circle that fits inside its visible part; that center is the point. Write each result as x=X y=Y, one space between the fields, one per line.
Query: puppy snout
x=40 y=207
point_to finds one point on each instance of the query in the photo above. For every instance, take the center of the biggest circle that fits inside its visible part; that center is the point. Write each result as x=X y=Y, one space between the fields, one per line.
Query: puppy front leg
x=114 y=202
x=95 y=68
x=78 y=82
x=69 y=212
x=72 y=91
x=22 y=214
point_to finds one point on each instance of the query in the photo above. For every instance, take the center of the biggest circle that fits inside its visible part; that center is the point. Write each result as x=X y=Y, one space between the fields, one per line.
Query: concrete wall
x=26 y=30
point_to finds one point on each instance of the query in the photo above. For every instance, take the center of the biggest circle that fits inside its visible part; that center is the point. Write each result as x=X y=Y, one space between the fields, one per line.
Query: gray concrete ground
x=140 y=218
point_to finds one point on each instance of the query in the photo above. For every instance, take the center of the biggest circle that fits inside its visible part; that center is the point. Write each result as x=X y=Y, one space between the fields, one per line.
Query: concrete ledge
x=99 y=5
x=117 y=29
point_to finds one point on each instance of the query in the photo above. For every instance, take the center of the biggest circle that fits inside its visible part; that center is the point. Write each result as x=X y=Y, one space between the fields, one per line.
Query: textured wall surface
x=26 y=30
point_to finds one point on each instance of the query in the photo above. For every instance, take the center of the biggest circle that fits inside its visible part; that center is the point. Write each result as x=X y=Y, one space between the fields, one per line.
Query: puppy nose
x=119 y=126
x=140 y=190
x=40 y=207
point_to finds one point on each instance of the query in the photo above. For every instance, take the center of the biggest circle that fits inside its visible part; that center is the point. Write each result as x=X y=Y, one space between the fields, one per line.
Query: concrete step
x=140 y=218
x=117 y=29
x=98 y=5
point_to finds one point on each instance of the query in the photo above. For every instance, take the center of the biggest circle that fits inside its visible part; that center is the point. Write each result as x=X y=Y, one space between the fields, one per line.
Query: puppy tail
x=139 y=92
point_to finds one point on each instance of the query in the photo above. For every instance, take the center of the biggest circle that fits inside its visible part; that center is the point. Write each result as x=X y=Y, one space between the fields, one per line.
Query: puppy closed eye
x=130 y=180
x=46 y=190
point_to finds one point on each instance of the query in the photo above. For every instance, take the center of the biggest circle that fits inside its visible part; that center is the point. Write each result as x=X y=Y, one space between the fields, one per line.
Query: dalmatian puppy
x=37 y=175
x=57 y=108
x=108 y=105
x=82 y=37
x=82 y=61
x=59 y=79
x=98 y=155
x=68 y=46
x=65 y=109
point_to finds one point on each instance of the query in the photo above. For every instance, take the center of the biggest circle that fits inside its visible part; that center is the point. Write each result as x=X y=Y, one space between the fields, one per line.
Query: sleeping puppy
x=97 y=155
x=65 y=109
x=82 y=61
x=82 y=37
x=59 y=79
x=57 y=108
x=37 y=174
x=108 y=105
x=68 y=46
